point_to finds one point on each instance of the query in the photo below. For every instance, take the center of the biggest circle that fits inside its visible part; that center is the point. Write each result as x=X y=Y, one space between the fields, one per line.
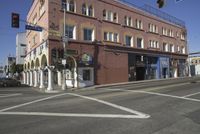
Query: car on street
x=5 y=82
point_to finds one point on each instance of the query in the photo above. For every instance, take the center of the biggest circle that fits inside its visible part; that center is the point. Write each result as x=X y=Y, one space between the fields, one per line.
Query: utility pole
x=65 y=41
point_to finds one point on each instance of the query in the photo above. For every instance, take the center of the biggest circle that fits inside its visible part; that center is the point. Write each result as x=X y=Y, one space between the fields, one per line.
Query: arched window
x=90 y=13
x=84 y=10
x=71 y=6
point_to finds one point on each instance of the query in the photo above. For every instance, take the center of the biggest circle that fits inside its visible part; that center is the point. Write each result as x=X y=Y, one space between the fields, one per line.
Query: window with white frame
x=171 y=48
x=70 y=31
x=128 y=40
x=139 y=24
x=165 y=47
x=171 y=33
x=178 y=49
x=110 y=36
x=182 y=36
x=87 y=10
x=127 y=21
x=116 y=37
x=68 y=5
x=183 y=50
x=90 y=11
x=153 y=28
x=88 y=34
x=153 y=44
x=140 y=43
x=110 y=16
x=164 y=31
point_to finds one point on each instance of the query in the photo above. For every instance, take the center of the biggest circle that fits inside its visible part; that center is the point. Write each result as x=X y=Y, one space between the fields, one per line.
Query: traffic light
x=160 y=3
x=15 y=20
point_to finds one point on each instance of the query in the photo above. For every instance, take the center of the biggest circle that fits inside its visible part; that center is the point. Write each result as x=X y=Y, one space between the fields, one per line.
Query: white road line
x=9 y=95
x=74 y=115
x=136 y=114
x=153 y=93
x=139 y=114
x=189 y=95
x=28 y=103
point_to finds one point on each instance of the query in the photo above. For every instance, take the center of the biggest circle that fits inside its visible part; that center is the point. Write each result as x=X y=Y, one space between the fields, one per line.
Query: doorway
x=140 y=73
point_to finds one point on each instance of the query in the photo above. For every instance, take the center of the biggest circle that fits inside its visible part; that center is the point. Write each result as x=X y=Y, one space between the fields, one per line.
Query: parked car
x=5 y=82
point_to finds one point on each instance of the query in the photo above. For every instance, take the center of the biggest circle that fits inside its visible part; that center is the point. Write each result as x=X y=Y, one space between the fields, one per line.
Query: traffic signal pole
x=64 y=47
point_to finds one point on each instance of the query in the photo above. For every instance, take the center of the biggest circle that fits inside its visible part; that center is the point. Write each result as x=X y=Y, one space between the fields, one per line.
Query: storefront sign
x=86 y=59
x=71 y=52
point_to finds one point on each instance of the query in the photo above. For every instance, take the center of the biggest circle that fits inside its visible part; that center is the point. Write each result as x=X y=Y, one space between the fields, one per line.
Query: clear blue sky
x=186 y=10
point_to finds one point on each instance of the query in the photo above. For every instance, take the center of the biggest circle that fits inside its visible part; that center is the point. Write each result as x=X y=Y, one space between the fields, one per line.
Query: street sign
x=64 y=62
x=34 y=28
x=65 y=39
x=178 y=1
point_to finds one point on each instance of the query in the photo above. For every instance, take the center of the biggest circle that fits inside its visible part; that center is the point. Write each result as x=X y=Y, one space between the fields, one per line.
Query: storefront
x=164 y=67
x=182 y=68
x=86 y=70
x=152 y=68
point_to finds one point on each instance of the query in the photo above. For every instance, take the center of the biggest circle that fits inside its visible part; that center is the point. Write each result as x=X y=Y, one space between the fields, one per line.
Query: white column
x=41 y=78
x=35 y=78
x=59 y=78
x=31 y=78
x=27 y=76
x=75 y=77
x=50 y=83
x=24 y=77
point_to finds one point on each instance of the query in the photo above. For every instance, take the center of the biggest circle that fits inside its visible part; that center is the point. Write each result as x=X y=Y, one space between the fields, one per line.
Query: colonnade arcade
x=37 y=73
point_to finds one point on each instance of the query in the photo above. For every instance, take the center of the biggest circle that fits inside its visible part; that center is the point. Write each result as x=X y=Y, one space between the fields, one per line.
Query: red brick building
x=110 y=41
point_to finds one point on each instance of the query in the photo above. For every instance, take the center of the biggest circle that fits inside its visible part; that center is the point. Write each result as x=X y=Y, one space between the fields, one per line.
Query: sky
x=186 y=10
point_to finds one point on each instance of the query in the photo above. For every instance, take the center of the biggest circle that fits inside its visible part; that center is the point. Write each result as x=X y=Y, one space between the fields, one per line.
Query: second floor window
x=88 y=34
x=165 y=47
x=140 y=43
x=70 y=31
x=110 y=36
x=153 y=44
x=171 y=48
x=128 y=40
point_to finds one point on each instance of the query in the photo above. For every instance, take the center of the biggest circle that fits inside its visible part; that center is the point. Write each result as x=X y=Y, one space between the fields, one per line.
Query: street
x=159 y=107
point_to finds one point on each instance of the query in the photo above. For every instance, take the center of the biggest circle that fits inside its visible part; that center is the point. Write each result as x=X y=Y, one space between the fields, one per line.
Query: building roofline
x=147 y=9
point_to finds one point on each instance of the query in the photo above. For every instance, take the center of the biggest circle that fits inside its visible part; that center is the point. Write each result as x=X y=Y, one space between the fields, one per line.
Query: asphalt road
x=146 y=108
